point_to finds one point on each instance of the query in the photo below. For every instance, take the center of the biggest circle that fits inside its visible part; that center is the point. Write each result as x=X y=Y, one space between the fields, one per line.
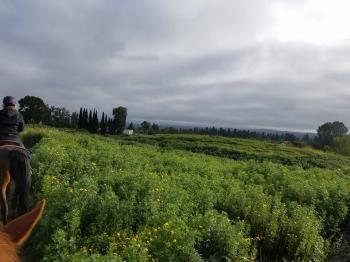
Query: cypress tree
x=97 y=123
x=106 y=124
x=111 y=126
x=85 y=119
x=89 y=126
x=120 y=114
x=80 y=118
x=102 y=124
x=94 y=122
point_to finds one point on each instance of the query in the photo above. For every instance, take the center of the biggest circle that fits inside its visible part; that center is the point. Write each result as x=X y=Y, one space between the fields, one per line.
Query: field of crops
x=126 y=200
x=244 y=149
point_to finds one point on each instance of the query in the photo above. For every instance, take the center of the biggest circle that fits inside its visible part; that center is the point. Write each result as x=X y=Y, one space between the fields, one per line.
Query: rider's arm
x=20 y=123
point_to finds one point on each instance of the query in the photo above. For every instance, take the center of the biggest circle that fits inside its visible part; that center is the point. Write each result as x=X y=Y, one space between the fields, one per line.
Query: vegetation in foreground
x=109 y=201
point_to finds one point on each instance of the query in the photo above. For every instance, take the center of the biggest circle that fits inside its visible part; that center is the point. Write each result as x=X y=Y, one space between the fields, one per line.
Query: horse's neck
x=8 y=250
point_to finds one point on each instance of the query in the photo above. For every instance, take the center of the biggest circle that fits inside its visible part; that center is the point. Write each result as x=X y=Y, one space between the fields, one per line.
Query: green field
x=184 y=198
x=244 y=149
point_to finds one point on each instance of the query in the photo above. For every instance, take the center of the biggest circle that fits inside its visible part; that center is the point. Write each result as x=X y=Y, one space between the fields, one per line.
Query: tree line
x=325 y=137
x=149 y=128
x=35 y=111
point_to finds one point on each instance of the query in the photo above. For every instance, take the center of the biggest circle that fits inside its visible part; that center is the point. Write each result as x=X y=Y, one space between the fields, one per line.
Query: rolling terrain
x=244 y=149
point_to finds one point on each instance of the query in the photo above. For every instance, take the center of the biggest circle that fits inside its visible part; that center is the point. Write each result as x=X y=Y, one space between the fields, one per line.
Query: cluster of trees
x=112 y=126
x=327 y=132
x=89 y=120
x=149 y=128
x=61 y=117
x=35 y=111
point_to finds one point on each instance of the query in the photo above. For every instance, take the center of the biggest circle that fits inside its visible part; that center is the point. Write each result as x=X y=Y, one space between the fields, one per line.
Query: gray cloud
x=197 y=61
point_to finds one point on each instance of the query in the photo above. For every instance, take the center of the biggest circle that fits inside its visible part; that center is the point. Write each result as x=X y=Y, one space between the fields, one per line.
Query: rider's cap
x=9 y=101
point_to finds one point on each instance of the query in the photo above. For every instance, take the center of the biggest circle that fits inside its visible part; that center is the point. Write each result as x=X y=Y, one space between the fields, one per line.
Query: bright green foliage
x=341 y=145
x=111 y=201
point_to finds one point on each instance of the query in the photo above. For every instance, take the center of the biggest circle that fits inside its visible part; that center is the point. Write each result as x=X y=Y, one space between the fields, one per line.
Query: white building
x=128 y=132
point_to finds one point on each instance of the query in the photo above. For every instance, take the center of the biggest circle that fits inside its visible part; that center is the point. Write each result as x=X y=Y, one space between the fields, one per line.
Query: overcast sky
x=281 y=64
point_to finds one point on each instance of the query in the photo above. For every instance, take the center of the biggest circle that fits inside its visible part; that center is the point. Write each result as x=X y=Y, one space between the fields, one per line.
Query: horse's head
x=13 y=235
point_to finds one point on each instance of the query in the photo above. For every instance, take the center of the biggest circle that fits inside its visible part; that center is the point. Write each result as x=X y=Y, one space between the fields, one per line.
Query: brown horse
x=14 y=165
x=13 y=235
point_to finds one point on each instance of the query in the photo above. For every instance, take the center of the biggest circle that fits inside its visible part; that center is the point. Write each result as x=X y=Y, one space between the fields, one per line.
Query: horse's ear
x=19 y=229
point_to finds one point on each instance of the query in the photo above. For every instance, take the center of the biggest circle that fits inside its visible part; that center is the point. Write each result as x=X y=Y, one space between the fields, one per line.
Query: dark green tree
x=85 y=119
x=146 y=126
x=111 y=126
x=339 y=129
x=108 y=126
x=94 y=124
x=106 y=123
x=74 y=120
x=102 y=124
x=80 y=119
x=120 y=114
x=131 y=126
x=34 y=110
x=89 y=126
x=60 y=117
x=328 y=131
x=155 y=127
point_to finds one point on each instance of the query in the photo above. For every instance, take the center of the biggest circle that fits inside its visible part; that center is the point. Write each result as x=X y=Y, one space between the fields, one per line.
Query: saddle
x=7 y=146
x=9 y=142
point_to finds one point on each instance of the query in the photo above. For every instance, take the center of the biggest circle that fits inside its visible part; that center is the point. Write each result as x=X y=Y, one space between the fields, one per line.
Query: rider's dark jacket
x=11 y=123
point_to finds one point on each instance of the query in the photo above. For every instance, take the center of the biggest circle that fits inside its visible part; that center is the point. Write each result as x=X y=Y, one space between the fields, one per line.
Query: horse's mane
x=8 y=250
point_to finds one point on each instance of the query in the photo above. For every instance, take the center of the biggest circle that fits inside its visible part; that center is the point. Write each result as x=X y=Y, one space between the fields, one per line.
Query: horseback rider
x=11 y=124
x=11 y=121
